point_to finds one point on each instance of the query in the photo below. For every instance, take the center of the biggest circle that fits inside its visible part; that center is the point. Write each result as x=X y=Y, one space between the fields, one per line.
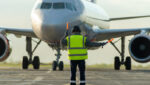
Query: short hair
x=76 y=29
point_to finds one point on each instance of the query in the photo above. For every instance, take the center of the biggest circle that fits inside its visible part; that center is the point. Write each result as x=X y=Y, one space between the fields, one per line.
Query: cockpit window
x=46 y=5
x=71 y=6
x=74 y=8
x=58 y=5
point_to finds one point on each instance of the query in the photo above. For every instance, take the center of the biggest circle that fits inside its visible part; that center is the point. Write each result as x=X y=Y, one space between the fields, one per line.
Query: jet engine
x=4 y=48
x=139 y=48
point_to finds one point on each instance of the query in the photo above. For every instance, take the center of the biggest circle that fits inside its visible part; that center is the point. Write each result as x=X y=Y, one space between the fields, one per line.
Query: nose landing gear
x=58 y=63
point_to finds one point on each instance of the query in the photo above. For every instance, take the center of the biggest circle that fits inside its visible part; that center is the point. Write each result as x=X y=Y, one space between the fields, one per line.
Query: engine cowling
x=4 y=48
x=139 y=48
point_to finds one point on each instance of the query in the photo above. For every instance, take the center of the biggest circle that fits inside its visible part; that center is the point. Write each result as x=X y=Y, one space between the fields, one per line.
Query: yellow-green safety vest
x=76 y=47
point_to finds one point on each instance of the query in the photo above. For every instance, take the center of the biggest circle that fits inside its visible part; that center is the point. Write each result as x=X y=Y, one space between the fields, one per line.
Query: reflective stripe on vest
x=77 y=54
x=76 y=47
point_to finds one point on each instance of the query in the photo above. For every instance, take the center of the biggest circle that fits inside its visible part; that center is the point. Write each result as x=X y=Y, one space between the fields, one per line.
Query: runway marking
x=34 y=81
x=40 y=78
x=50 y=70
x=37 y=79
x=108 y=78
x=22 y=80
x=102 y=77
x=77 y=84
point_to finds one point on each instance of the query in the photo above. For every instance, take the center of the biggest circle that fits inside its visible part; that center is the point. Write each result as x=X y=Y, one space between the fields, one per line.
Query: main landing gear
x=117 y=62
x=36 y=61
x=58 y=63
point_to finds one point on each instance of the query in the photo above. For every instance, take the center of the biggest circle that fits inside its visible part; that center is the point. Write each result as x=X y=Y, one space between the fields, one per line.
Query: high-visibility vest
x=76 y=47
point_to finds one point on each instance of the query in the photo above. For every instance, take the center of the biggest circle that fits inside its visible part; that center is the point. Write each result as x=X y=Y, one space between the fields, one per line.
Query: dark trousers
x=81 y=66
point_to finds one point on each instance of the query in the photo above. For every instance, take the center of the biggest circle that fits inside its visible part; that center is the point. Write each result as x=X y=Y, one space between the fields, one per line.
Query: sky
x=124 y=8
x=16 y=13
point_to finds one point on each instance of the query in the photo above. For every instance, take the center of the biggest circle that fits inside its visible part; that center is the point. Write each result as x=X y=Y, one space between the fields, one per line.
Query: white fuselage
x=49 y=17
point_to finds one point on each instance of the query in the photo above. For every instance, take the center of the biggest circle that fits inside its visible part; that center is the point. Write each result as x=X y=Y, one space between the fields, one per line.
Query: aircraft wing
x=18 y=31
x=129 y=17
x=103 y=34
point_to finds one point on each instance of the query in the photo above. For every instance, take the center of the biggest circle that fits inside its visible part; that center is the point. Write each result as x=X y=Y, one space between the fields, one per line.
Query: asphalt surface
x=44 y=76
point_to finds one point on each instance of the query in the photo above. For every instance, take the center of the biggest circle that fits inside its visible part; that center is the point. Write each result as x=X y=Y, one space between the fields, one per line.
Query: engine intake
x=139 y=48
x=4 y=48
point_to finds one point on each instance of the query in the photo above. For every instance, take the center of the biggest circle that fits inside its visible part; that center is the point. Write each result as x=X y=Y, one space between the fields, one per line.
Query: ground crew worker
x=77 y=53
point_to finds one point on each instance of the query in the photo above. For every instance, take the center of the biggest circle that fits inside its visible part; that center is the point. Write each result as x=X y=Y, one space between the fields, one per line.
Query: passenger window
x=58 y=5
x=46 y=5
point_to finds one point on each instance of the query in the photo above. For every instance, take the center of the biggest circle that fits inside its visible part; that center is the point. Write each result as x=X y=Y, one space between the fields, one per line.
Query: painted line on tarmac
x=110 y=79
x=40 y=78
x=37 y=79
x=50 y=70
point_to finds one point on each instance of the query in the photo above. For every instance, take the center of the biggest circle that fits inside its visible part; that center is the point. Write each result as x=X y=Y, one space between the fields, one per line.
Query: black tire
x=36 y=62
x=128 y=63
x=117 y=63
x=61 y=66
x=54 y=65
x=25 y=62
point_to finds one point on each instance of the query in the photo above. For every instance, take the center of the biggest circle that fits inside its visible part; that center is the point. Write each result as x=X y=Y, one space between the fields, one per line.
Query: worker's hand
x=67 y=33
x=102 y=44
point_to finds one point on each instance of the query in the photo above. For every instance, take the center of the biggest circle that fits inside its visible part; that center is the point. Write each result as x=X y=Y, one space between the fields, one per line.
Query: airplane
x=49 y=18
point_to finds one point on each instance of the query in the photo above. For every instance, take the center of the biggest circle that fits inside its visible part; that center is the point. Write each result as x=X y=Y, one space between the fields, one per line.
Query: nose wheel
x=61 y=66
x=54 y=65
x=58 y=64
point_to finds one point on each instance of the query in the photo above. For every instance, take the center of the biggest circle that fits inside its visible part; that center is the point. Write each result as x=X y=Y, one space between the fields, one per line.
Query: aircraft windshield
x=46 y=5
x=58 y=5
x=70 y=7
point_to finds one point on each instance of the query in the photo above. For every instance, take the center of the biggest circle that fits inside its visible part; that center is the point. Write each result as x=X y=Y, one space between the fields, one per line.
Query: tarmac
x=45 y=76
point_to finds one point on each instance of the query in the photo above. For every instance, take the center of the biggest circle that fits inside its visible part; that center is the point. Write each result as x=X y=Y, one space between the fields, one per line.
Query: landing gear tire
x=128 y=63
x=61 y=66
x=25 y=62
x=36 y=62
x=54 y=65
x=117 y=63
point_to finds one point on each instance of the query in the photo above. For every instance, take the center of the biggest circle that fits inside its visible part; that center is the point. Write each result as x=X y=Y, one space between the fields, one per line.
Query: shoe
x=82 y=84
x=72 y=83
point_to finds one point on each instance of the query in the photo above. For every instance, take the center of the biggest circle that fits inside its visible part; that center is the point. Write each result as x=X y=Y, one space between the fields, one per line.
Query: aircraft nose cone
x=50 y=26
x=53 y=31
x=54 y=26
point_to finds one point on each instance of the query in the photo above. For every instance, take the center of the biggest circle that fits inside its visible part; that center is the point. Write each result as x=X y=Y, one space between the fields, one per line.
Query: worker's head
x=76 y=29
